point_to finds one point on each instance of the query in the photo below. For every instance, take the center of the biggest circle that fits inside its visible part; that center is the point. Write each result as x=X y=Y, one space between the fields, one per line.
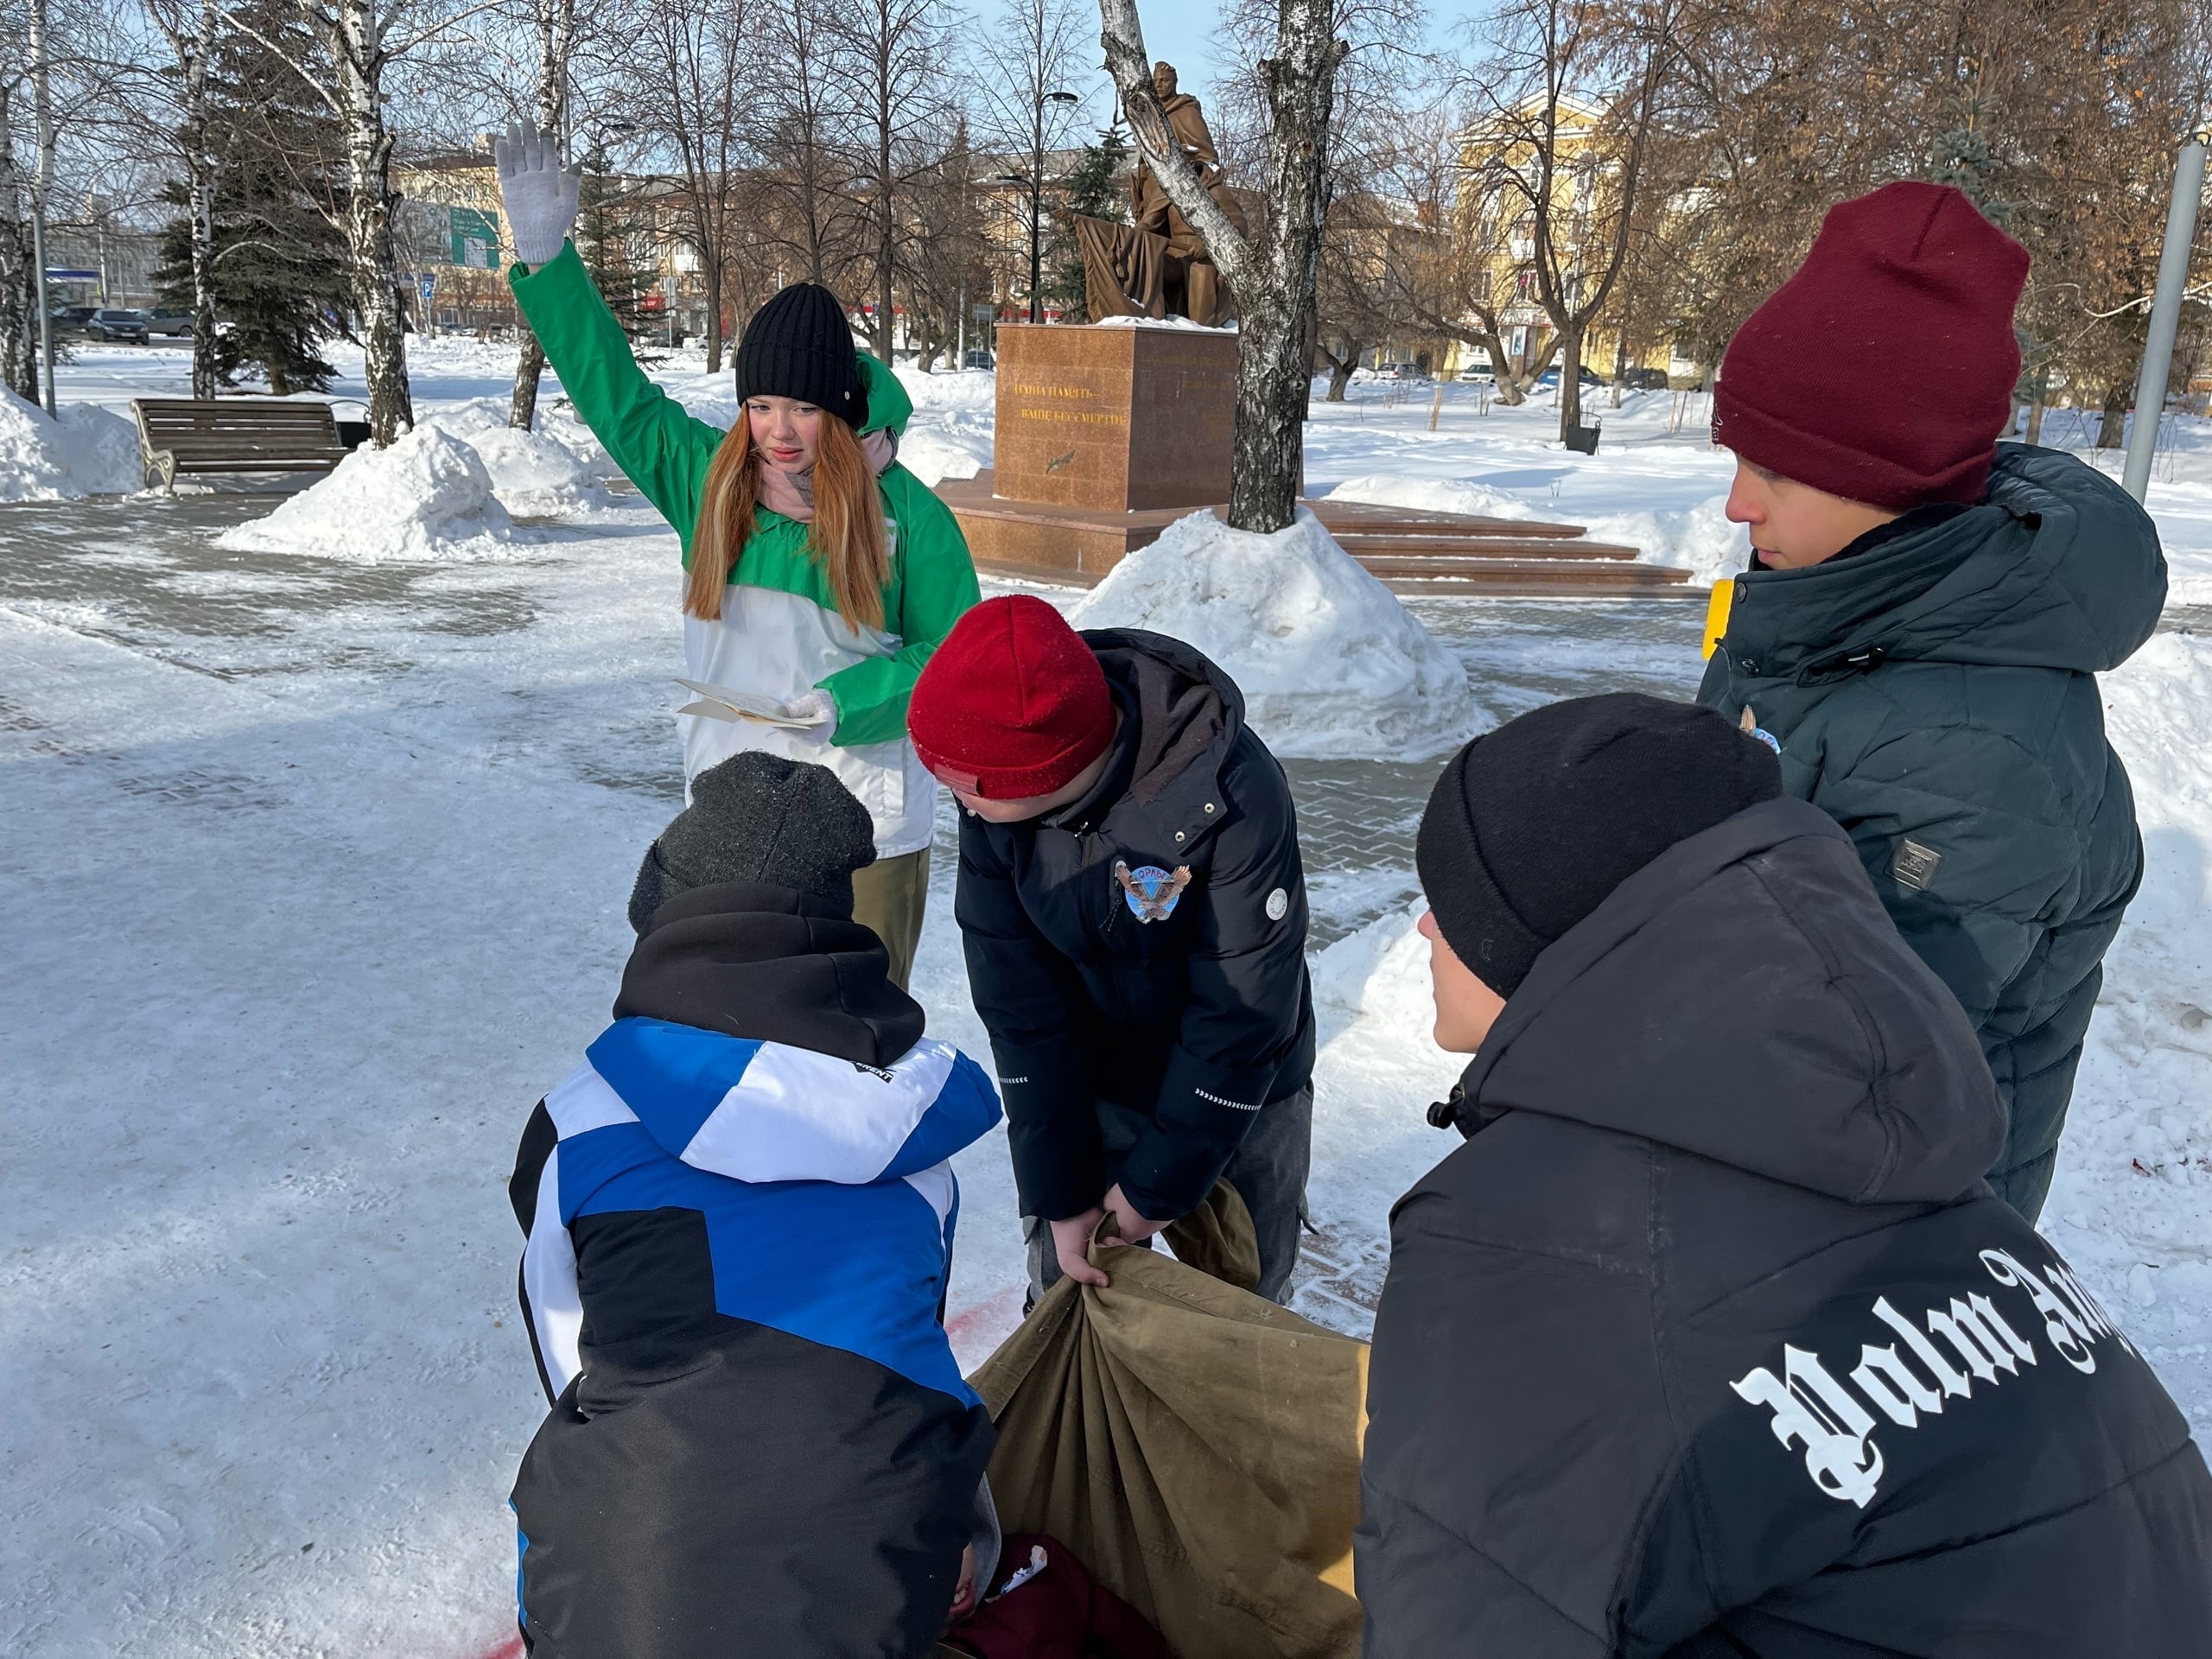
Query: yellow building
x=1495 y=233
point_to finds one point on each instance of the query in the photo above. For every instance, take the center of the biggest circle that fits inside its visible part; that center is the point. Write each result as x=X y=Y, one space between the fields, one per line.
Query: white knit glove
x=816 y=708
x=537 y=191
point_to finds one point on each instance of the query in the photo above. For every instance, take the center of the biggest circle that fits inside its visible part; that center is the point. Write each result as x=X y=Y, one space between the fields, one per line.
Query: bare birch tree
x=1568 y=104
x=694 y=105
x=553 y=28
x=893 y=60
x=1029 y=86
x=189 y=30
x=361 y=40
x=1272 y=273
x=807 y=135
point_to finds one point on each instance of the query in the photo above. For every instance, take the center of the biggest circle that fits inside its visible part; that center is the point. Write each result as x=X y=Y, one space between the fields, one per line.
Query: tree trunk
x=18 y=318
x=529 y=365
x=557 y=21
x=2112 y=429
x=885 y=233
x=42 y=191
x=358 y=56
x=199 y=176
x=2034 y=433
x=712 y=269
x=1340 y=371
x=1570 y=377
x=1620 y=364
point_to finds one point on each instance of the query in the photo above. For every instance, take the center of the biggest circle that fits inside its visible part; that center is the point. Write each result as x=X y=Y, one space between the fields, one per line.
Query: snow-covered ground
x=314 y=852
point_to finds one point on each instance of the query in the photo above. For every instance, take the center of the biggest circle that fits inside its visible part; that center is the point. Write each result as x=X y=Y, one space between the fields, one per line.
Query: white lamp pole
x=2165 y=316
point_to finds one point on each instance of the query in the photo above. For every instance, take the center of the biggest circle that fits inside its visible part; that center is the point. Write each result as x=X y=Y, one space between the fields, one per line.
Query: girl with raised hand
x=819 y=573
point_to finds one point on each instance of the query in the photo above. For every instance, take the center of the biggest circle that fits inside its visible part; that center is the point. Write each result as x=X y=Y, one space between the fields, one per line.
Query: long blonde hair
x=846 y=535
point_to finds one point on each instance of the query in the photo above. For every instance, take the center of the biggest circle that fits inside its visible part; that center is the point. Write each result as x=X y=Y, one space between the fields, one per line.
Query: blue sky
x=1183 y=31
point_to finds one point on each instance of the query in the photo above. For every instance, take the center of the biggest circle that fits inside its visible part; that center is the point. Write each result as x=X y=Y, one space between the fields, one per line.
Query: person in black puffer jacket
x=1711 y=1340
x=1134 y=914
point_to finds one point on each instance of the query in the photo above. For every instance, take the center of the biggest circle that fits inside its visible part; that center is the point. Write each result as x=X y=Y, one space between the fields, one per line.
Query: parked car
x=1644 y=380
x=1399 y=371
x=72 y=319
x=163 y=320
x=979 y=358
x=113 y=323
x=1549 y=379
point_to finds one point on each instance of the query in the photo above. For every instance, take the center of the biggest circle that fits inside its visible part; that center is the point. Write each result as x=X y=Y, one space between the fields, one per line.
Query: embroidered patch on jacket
x=1278 y=904
x=1150 y=893
x=1913 y=865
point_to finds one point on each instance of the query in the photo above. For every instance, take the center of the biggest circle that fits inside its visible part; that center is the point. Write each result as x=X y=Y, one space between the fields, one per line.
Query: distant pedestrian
x=1710 y=1339
x=1922 y=620
x=820 y=573
x=739 y=1212
x=1134 y=913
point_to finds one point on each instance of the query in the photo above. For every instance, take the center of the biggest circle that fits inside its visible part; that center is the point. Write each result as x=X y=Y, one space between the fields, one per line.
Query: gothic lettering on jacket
x=1943 y=1356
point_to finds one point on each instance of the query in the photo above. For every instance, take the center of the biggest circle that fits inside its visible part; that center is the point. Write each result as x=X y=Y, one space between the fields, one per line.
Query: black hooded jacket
x=1201 y=1015
x=1711 y=1341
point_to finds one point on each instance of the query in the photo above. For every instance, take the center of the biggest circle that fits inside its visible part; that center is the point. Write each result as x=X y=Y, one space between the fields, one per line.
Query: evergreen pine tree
x=1093 y=190
x=606 y=220
x=279 y=272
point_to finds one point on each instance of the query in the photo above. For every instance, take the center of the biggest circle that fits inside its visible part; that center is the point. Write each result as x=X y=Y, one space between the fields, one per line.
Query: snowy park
x=321 y=813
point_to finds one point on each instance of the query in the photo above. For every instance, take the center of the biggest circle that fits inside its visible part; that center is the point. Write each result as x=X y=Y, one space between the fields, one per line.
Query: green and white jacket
x=779 y=634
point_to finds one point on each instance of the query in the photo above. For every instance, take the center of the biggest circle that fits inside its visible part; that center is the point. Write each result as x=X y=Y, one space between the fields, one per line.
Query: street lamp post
x=1036 y=183
x=2165 y=315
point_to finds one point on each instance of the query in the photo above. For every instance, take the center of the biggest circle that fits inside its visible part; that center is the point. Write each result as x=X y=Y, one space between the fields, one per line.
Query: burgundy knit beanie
x=1013 y=704
x=1884 y=370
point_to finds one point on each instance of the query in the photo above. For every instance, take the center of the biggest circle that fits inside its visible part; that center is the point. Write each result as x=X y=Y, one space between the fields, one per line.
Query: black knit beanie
x=759 y=817
x=1532 y=827
x=800 y=346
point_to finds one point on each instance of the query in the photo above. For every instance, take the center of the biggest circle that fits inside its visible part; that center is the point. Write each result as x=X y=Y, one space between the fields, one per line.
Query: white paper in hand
x=721 y=703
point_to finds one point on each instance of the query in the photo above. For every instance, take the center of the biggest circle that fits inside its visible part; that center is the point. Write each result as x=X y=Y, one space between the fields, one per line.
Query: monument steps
x=1414 y=551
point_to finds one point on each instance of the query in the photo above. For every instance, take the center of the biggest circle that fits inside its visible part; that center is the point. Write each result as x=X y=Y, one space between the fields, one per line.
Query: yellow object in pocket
x=1716 y=615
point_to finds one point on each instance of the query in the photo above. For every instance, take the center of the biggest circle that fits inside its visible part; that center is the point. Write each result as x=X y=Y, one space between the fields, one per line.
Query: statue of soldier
x=1159 y=266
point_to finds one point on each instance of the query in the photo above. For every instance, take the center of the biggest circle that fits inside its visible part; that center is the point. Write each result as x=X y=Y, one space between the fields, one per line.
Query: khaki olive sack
x=1196 y=1447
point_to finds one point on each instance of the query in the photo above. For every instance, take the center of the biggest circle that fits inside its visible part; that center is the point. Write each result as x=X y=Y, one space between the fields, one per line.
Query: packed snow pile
x=427 y=497
x=937 y=445
x=89 y=451
x=555 y=468
x=1331 y=665
x=1699 y=539
x=1433 y=495
x=1379 y=976
x=2134 y=1182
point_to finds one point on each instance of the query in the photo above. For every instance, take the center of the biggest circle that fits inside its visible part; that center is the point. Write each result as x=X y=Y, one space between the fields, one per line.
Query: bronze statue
x=1158 y=266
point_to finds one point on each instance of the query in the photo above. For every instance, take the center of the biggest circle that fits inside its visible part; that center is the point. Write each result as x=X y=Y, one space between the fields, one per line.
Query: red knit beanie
x=1910 y=278
x=1013 y=704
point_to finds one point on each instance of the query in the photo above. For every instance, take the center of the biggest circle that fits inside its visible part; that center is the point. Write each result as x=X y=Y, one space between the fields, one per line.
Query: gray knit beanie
x=759 y=817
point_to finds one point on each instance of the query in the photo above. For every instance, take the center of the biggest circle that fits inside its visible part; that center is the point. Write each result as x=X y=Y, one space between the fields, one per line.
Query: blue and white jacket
x=825 y=1185
x=739 y=1213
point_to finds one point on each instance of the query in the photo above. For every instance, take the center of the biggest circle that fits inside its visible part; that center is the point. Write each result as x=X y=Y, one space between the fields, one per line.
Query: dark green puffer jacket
x=1934 y=695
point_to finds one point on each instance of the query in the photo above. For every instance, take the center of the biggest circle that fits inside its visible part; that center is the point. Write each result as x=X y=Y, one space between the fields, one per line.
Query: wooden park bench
x=234 y=435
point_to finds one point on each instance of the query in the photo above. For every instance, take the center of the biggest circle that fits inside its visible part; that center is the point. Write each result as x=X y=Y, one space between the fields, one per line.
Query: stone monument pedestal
x=1106 y=436
x=1109 y=434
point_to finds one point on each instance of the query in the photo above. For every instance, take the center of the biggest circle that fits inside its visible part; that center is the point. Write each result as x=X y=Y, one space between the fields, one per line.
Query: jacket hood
x=752 y=960
x=2057 y=566
x=1187 y=709
x=1744 y=997
x=889 y=408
